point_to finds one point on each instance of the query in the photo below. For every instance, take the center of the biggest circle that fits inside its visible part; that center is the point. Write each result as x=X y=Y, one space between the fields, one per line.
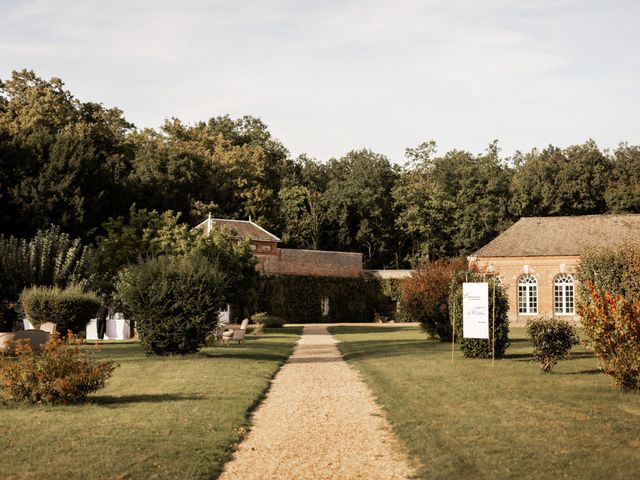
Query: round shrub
x=70 y=308
x=479 y=347
x=424 y=296
x=552 y=339
x=174 y=301
x=267 y=321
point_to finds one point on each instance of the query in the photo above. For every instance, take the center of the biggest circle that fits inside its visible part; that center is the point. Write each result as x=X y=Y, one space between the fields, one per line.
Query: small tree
x=173 y=300
x=552 y=339
x=424 y=296
x=70 y=308
x=478 y=347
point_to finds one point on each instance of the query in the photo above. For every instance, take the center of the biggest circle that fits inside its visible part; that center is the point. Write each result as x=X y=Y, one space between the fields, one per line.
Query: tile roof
x=562 y=236
x=243 y=229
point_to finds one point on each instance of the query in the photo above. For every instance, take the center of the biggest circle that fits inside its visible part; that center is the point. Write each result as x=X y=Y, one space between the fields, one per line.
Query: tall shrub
x=51 y=258
x=609 y=304
x=425 y=295
x=174 y=301
x=478 y=347
x=613 y=325
x=70 y=308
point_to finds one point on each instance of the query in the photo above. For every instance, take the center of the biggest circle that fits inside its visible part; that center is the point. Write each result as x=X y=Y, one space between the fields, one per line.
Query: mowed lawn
x=469 y=420
x=172 y=417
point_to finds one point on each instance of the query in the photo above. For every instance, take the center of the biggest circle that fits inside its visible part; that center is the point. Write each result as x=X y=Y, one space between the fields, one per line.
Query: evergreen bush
x=174 y=301
x=60 y=374
x=70 y=308
x=479 y=347
x=425 y=296
x=552 y=339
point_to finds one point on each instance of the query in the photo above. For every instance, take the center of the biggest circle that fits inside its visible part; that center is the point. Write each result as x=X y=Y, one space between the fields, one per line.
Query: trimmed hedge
x=70 y=308
x=298 y=299
x=478 y=347
x=173 y=300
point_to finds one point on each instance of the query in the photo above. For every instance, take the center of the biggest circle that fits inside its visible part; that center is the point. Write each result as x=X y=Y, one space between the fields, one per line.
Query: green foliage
x=173 y=300
x=150 y=234
x=70 y=308
x=552 y=339
x=60 y=374
x=267 y=321
x=478 y=347
x=298 y=299
x=425 y=296
x=50 y=258
x=612 y=269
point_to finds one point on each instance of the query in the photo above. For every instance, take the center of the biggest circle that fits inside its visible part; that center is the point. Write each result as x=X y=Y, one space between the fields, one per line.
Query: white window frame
x=324 y=306
x=527 y=295
x=564 y=296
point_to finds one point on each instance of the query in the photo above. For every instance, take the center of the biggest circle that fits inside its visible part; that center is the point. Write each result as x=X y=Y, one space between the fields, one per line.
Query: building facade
x=535 y=259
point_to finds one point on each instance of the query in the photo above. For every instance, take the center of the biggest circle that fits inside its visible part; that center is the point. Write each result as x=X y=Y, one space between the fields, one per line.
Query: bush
x=552 y=339
x=613 y=325
x=479 y=347
x=424 y=296
x=60 y=374
x=267 y=321
x=51 y=258
x=173 y=300
x=70 y=309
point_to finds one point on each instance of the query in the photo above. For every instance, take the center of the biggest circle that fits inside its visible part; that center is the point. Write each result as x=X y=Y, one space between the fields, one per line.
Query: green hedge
x=476 y=347
x=298 y=299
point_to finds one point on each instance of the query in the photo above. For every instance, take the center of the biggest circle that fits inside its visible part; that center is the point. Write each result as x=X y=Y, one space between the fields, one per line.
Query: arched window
x=528 y=295
x=563 y=294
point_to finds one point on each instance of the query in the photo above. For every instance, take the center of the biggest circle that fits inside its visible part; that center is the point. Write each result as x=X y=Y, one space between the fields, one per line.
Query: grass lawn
x=470 y=420
x=174 y=417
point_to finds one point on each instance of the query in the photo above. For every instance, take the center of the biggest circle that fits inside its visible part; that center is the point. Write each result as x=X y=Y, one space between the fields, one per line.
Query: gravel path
x=318 y=421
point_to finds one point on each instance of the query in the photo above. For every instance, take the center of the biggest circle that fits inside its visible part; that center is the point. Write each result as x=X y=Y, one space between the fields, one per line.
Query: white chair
x=237 y=334
x=49 y=327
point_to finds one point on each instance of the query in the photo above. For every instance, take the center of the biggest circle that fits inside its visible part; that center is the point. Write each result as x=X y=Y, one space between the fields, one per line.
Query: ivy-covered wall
x=298 y=299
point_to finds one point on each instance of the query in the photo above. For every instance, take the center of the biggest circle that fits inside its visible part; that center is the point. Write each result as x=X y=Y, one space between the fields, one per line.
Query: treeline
x=76 y=164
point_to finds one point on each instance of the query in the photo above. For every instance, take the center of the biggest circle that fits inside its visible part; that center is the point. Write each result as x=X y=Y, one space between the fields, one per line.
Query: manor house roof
x=241 y=229
x=562 y=236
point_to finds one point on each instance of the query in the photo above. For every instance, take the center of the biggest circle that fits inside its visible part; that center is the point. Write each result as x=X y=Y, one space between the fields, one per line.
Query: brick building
x=286 y=261
x=536 y=259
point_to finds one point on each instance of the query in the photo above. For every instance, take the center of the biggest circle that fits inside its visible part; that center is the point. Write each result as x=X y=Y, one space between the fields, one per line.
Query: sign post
x=475 y=310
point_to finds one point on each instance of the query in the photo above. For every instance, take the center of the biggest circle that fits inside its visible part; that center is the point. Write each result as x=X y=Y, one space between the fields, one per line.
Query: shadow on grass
x=592 y=371
x=381 y=349
x=360 y=329
x=141 y=398
x=521 y=357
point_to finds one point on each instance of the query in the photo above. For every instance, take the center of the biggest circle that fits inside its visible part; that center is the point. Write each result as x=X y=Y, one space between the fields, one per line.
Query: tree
x=359 y=205
x=623 y=190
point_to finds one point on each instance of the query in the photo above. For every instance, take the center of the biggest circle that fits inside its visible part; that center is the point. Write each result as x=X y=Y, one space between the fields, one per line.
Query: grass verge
x=469 y=420
x=171 y=417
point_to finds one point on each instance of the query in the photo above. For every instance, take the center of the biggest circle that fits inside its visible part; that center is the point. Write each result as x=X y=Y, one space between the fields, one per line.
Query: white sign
x=475 y=310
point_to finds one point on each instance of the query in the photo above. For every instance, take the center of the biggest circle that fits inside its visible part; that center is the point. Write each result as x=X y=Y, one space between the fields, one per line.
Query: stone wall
x=544 y=269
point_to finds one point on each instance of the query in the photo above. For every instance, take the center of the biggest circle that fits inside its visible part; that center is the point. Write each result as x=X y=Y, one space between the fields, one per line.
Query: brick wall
x=310 y=262
x=544 y=269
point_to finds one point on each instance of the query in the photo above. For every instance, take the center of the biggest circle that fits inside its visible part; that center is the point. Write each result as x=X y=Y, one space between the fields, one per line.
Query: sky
x=328 y=77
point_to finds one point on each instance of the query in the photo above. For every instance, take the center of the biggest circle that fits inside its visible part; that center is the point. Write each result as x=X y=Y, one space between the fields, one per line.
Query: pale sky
x=331 y=76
